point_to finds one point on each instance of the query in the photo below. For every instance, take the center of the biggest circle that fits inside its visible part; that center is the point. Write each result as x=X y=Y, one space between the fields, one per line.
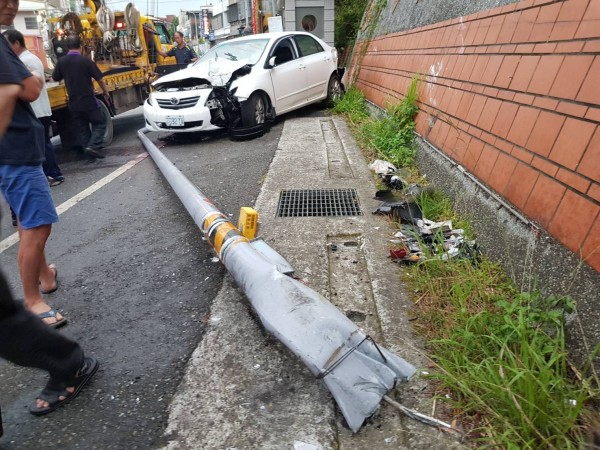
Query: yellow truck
x=124 y=46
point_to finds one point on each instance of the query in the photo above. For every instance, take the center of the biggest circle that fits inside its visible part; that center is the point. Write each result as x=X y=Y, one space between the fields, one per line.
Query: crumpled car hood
x=217 y=71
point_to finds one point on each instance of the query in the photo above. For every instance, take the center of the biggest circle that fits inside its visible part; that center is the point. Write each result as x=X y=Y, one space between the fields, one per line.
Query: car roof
x=273 y=35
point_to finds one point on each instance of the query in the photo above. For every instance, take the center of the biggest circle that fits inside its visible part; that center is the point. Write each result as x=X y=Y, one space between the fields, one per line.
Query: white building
x=27 y=23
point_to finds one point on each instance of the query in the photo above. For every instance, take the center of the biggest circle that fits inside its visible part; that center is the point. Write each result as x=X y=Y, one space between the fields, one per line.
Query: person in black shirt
x=24 y=338
x=183 y=53
x=78 y=71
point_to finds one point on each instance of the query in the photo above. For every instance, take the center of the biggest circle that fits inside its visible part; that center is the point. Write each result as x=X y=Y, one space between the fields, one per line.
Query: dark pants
x=50 y=166
x=25 y=340
x=90 y=139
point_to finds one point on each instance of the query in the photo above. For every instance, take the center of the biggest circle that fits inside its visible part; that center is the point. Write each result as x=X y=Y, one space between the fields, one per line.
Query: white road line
x=14 y=238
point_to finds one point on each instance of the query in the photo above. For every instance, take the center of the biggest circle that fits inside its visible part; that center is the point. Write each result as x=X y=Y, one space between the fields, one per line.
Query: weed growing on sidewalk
x=500 y=351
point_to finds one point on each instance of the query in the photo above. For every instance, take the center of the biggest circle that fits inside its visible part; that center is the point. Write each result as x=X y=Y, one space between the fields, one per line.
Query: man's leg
x=50 y=166
x=26 y=190
x=82 y=127
x=98 y=121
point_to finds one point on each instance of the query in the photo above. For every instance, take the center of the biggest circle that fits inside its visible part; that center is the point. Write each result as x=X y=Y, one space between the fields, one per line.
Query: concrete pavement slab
x=242 y=388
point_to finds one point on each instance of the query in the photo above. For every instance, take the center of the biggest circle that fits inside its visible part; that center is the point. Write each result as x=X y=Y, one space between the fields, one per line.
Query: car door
x=316 y=63
x=288 y=78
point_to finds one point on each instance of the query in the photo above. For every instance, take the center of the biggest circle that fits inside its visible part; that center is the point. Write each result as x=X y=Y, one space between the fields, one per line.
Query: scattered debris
x=418 y=236
x=419 y=416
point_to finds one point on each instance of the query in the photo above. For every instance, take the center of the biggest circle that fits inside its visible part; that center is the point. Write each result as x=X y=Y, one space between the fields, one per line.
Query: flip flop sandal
x=52 y=314
x=52 y=395
x=55 y=288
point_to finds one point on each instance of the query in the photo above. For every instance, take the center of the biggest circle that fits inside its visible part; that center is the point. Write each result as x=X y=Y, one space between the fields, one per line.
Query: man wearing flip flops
x=24 y=338
x=25 y=187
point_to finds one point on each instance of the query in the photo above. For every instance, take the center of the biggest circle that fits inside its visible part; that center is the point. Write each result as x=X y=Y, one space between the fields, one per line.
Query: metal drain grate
x=318 y=203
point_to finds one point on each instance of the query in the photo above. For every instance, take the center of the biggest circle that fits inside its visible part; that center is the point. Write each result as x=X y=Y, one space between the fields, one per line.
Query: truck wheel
x=108 y=134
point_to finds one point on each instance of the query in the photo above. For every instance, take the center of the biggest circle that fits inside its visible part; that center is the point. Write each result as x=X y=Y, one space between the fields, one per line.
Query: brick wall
x=513 y=95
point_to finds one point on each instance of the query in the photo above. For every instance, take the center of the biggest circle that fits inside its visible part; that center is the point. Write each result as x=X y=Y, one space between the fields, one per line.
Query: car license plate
x=175 y=121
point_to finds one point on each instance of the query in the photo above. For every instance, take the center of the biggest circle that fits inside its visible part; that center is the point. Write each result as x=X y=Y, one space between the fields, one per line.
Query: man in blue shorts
x=25 y=188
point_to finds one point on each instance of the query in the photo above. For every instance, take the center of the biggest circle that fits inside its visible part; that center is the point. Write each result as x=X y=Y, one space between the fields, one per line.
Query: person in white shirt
x=41 y=106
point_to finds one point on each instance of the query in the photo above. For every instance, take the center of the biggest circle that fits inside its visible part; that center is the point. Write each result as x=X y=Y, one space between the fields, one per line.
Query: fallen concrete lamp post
x=357 y=371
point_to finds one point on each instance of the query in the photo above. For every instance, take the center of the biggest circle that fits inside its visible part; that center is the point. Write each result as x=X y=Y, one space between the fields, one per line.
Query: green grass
x=500 y=352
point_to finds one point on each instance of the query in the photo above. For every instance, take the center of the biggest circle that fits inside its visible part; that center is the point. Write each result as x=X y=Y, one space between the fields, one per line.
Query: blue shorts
x=26 y=190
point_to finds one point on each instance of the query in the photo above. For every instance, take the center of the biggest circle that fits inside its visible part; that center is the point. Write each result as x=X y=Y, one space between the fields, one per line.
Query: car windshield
x=247 y=50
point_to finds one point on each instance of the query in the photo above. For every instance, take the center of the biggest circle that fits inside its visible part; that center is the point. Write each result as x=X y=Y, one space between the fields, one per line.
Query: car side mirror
x=272 y=62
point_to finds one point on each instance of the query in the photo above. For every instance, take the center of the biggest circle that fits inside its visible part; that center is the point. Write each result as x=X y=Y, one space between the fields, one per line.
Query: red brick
x=590 y=91
x=464 y=105
x=573 y=220
x=491 y=92
x=572 y=109
x=472 y=154
x=486 y=162
x=471 y=32
x=491 y=70
x=593 y=11
x=504 y=119
x=594 y=192
x=588 y=29
x=525 y=25
x=473 y=131
x=572 y=142
x=476 y=109
x=503 y=146
x=506 y=95
x=569 y=47
x=454 y=101
x=547 y=47
x=494 y=30
x=549 y=13
x=573 y=180
x=545 y=73
x=524 y=99
x=563 y=31
x=482 y=31
x=593 y=114
x=503 y=170
x=571 y=75
x=524 y=72
x=493 y=49
x=544 y=133
x=522 y=125
x=469 y=63
x=479 y=69
x=590 y=251
x=590 y=163
x=544 y=199
x=592 y=46
x=508 y=29
x=477 y=89
x=548 y=167
x=488 y=138
x=572 y=10
x=520 y=185
x=525 y=48
x=541 y=32
x=506 y=71
x=492 y=106
x=546 y=103
x=521 y=154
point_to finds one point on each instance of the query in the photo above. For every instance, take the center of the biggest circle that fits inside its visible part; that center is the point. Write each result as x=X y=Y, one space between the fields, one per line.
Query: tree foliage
x=348 y=15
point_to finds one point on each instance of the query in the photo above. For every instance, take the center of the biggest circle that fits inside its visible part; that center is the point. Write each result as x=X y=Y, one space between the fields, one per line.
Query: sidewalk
x=242 y=388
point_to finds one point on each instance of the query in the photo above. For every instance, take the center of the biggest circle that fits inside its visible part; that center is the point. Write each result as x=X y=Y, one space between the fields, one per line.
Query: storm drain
x=318 y=203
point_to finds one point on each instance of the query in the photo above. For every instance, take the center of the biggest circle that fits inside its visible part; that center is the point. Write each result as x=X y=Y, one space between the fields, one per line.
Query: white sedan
x=242 y=83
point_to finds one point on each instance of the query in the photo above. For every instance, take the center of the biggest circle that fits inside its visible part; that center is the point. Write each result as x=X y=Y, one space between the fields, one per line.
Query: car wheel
x=334 y=89
x=108 y=134
x=254 y=110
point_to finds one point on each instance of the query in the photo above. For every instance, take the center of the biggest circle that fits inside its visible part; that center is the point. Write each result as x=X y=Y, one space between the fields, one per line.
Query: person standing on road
x=183 y=53
x=41 y=106
x=24 y=339
x=78 y=71
x=24 y=185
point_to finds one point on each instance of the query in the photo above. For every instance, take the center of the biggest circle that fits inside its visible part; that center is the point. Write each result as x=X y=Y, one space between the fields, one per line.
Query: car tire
x=254 y=110
x=335 y=89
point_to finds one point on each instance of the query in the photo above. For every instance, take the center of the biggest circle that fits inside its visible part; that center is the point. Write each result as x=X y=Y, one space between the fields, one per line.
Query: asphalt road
x=136 y=282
